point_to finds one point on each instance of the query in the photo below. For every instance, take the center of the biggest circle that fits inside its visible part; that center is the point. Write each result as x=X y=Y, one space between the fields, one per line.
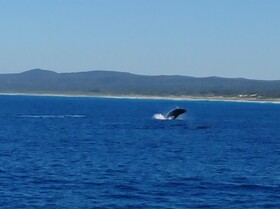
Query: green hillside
x=119 y=83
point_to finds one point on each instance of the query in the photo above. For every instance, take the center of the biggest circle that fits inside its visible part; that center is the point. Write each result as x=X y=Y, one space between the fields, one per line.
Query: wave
x=52 y=116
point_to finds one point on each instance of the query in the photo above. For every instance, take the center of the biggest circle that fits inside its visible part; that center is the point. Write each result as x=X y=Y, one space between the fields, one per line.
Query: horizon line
x=119 y=71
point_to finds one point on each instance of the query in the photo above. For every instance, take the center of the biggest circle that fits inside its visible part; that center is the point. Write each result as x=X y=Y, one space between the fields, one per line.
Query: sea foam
x=159 y=116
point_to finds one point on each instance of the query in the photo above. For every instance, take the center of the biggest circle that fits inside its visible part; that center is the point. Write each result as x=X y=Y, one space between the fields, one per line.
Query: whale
x=173 y=114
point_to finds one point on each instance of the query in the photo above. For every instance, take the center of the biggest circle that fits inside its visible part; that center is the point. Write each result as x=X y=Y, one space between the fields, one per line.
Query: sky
x=225 y=38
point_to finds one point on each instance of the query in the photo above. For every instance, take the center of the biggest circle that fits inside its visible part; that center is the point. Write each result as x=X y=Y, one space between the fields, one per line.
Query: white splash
x=159 y=116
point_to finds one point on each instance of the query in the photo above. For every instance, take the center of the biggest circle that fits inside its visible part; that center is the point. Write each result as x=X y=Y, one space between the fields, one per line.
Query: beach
x=168 y=97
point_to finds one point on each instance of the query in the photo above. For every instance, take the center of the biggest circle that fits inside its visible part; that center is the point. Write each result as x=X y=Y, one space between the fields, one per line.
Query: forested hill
x=39 y=81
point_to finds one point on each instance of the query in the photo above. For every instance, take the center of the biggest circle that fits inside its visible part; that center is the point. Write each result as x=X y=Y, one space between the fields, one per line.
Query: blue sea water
x=71 y=152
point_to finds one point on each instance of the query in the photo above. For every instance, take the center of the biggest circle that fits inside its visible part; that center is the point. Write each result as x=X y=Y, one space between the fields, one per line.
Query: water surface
x=63 y=152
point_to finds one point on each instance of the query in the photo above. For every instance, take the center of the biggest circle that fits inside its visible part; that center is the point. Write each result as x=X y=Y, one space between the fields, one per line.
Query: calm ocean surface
x=66 y=152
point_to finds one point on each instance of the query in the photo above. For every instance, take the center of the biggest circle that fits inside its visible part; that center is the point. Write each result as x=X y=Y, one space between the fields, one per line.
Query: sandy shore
x=179 y=98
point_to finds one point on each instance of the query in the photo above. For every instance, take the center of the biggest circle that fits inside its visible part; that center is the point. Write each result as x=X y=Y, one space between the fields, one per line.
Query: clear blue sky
x=227 y=38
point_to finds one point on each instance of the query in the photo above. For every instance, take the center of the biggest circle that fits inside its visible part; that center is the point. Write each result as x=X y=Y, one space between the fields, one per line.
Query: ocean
x=83 y=152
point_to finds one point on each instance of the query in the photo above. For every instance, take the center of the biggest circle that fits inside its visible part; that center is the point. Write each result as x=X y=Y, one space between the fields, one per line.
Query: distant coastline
x=127 y=85
x=179 y=98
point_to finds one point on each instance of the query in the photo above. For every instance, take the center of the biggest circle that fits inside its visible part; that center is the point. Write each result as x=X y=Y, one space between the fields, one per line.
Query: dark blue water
x=63 y=152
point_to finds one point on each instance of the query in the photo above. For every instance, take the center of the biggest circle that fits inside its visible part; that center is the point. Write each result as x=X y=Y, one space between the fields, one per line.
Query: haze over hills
x=112 y=83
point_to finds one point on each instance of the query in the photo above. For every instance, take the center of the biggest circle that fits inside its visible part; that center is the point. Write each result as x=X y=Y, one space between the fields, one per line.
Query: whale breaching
x=173 y=114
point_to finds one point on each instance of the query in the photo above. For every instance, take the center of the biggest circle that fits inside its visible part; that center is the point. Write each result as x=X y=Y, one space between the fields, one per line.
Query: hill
x=39 y=81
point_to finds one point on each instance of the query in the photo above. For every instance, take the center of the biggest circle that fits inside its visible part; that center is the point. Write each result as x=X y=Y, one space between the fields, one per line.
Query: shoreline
x=174 y=98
